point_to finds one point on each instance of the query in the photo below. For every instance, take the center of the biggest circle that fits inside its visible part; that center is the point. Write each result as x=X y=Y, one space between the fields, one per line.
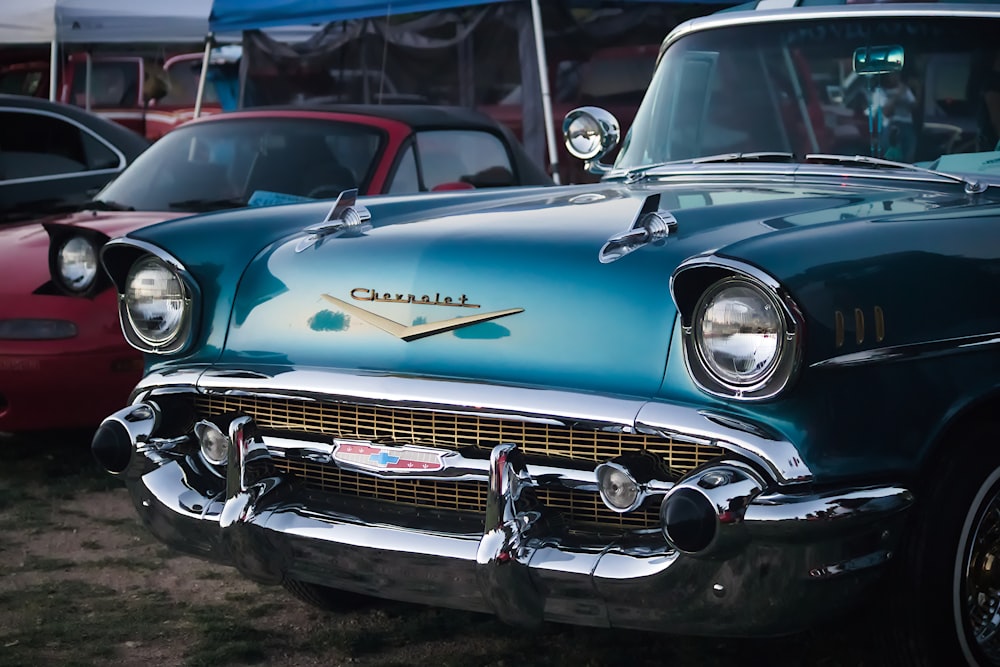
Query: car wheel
x=951 y=601
x=326 y=598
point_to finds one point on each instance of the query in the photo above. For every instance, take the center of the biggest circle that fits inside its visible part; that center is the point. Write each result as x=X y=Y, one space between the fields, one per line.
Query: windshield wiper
x=202 y=205
x=106 y=205
x=640 y=173
x=971 y=187
x=759 y=156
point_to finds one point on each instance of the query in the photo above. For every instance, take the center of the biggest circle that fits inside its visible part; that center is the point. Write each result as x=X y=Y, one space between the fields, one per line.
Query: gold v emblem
x=416 y=331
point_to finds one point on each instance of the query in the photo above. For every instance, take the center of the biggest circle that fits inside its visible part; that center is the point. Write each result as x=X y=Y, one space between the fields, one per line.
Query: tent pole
x=543 y=76
x=53 y=70
x=87 y=81
x=204 y=75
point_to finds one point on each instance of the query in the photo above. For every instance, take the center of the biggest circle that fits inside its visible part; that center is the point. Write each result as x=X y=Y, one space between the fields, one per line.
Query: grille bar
x=455 y=431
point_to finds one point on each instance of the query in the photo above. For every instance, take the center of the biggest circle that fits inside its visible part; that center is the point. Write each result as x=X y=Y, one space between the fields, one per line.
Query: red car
x=59 y=330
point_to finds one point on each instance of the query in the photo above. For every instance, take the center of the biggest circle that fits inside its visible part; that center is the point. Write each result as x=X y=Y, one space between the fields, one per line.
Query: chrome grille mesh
x=454 y=431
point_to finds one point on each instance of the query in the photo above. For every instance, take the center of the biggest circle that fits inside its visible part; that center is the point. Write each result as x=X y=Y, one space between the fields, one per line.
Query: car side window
x=405 y=180
x=97 y=153
x=450 y=157
x=35 y=145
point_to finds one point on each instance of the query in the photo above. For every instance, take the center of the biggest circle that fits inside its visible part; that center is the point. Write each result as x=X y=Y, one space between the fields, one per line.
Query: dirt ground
x=83 y=583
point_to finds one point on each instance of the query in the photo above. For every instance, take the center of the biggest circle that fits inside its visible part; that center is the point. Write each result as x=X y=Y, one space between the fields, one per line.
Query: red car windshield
x=222 y=164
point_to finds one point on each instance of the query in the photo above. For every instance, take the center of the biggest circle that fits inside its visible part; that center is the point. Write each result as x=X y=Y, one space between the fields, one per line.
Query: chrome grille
x=454 y=431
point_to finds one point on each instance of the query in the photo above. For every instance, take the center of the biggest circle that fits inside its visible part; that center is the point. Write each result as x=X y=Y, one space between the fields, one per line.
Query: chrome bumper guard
x=804 y=556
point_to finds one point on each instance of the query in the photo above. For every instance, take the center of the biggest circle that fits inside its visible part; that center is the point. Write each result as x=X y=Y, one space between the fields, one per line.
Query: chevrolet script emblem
x=416 y=331
x=390 y=459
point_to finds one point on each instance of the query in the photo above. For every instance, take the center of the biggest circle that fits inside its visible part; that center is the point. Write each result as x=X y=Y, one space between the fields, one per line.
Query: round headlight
x=738 y=330
x=76 y=263
x=155 y=301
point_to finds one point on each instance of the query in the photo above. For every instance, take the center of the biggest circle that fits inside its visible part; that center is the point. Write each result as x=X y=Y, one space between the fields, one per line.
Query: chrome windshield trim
x=826 y=13
x=794 y=173
x=626 y=415
x=913 y=351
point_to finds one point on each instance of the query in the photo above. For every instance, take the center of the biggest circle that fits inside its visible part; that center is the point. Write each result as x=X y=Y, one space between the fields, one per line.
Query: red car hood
x=24 y=247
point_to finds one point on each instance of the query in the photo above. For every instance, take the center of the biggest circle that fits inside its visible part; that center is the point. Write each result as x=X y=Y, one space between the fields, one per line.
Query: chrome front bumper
x=801 y=557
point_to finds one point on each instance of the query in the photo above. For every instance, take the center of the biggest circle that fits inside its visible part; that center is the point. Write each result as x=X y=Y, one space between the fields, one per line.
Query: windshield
x=902 y=89
x=222 y=163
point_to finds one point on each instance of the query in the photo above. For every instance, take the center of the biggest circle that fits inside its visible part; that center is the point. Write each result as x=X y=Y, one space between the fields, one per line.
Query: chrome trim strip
x=791 y=173
x=912 y=351
x=87 y=172
x=549 y=406
x=824 y=13
x=147 y=247
x=774 y=454
x=778 y=512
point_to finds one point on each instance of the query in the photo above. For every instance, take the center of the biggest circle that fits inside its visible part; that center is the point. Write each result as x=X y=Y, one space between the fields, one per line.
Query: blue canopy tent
x=228 y=16
x=237 y=15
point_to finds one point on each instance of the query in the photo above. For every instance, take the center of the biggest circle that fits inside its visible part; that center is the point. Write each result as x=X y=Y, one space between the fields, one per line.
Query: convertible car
x=59 y=330
x=744 y=385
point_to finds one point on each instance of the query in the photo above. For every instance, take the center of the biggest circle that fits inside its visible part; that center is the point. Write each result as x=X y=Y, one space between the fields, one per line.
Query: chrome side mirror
x=591 y=133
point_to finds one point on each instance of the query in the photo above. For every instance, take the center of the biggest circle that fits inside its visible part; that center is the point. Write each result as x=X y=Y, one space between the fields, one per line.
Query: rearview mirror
x=869 y=60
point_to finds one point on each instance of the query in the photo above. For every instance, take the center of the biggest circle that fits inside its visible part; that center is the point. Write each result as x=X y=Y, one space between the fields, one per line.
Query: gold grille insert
x=454 y=431
x=579 y=507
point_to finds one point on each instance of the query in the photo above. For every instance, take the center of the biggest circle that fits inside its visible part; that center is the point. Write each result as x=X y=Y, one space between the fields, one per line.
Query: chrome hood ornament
x=345 y=218
x=650 y=226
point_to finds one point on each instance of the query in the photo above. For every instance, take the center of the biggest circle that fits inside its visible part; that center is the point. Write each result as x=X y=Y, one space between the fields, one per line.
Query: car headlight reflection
x=76 y=264
x=738 y=330
x=155 y=301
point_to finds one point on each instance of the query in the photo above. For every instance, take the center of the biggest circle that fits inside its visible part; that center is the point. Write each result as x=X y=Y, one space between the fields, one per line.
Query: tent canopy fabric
x=236 y=15
x=233 y=15
x=103 y=21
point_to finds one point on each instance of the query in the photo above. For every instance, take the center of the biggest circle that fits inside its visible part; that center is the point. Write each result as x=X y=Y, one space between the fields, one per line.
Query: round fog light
x=214 y=443
x=618 y=488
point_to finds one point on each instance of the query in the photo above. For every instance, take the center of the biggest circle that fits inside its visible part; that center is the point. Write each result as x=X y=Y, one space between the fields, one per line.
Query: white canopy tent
x=228 y=15
x=56 y=22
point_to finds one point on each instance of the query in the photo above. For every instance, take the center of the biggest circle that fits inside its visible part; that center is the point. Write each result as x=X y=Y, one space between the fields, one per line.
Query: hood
x=24 y=247
x=513 y=291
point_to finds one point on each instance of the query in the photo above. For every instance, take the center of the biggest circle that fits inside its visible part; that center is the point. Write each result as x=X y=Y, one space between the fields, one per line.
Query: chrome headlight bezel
x=122 y=258
x=713 y=277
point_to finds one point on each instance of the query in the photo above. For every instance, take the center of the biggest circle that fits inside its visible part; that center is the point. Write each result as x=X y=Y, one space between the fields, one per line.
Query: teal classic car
x=747 y=382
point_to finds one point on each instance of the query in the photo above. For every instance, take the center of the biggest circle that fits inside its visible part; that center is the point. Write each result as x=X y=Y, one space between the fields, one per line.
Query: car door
x=49 y=162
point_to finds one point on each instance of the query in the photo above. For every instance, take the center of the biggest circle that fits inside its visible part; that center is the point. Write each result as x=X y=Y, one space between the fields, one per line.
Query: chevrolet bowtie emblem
x=416 y=331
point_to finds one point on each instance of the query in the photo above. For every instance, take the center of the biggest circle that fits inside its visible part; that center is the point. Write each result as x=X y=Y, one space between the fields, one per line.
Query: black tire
x=950 y=587
x=325 y=598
